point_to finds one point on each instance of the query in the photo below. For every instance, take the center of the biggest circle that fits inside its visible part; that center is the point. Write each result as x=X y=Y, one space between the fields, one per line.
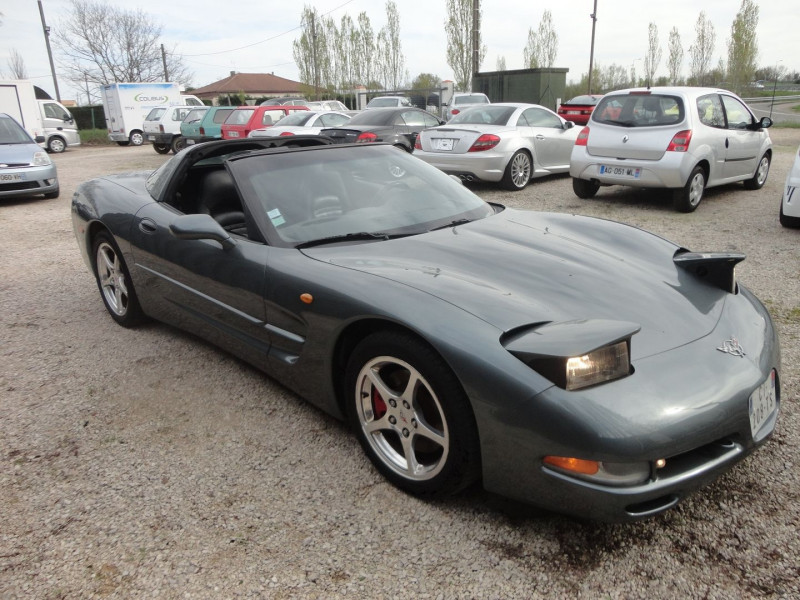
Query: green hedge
x=89 y=117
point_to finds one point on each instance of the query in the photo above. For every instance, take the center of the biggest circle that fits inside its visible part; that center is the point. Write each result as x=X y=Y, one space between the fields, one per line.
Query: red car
x=245 y=119
x=579 y=109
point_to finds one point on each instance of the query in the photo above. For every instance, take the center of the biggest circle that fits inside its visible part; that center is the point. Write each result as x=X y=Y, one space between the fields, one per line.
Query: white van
x=60 y=129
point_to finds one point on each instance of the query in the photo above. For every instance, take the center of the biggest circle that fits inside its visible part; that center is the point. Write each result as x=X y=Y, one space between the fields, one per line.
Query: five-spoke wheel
x=114 y=281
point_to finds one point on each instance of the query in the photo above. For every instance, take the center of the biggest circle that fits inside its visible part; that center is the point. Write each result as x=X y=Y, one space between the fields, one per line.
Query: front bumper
x=791 y=196
x=28 y=181
x=689 y=406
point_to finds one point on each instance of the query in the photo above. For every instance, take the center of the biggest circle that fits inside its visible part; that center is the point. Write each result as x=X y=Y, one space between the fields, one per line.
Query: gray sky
x=256 y=36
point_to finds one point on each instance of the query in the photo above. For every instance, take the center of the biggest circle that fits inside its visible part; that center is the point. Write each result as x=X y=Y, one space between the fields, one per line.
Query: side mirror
x=765 y=122
x=201 y=227
x=568 y=124
x=40 y=139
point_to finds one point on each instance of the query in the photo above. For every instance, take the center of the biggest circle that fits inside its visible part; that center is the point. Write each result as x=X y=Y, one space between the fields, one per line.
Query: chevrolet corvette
x=577 y=364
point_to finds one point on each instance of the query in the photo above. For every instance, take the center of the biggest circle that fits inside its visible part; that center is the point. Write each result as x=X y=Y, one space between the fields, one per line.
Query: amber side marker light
x=576 y=465
x=307 y=298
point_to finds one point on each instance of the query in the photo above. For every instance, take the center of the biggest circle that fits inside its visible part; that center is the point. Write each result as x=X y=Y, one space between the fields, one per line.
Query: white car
x=510 y=143
x=462 y=101
x=790 y=203
x=162 y=127
x=327 y=105
x=389 y=102
x=680 y=138
x=303 y=122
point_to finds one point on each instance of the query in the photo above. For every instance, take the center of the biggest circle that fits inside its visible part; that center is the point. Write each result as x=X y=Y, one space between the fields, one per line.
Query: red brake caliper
x=378 y=405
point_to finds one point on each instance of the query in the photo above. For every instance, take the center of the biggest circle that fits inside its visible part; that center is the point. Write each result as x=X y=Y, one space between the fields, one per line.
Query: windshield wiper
x=361 y=235
x=452 y=224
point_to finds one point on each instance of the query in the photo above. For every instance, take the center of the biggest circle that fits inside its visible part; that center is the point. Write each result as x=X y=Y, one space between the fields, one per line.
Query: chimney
x=233 y=73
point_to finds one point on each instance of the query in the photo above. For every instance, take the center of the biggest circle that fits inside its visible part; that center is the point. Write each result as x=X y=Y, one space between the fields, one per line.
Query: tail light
x=486 y=142
x=680 y=141
x=454 y=112
x=417 y=144
x=285 y=133
x=202 y=131
x=583 y=137
x=366 y=137
x=161 y=128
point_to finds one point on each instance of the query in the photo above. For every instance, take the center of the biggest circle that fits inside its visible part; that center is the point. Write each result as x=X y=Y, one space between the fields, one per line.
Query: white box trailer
x=18 y=99
x=127 y=104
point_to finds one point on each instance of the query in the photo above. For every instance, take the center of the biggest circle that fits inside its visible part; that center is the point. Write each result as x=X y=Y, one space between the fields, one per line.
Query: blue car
x=25 y=168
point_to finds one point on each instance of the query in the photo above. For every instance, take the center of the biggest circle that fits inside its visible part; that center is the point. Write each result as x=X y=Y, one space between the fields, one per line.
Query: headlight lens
x=40 y=159
x=604 y=364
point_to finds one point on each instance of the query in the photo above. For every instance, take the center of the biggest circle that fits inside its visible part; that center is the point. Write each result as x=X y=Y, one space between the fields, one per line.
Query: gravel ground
x=147 y=463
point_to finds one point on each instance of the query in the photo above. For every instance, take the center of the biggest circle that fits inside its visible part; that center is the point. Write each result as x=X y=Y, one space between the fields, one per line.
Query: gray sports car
x=574 y=363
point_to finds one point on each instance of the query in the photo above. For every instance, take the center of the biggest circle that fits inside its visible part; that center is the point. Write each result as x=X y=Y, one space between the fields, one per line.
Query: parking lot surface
x=145 y=463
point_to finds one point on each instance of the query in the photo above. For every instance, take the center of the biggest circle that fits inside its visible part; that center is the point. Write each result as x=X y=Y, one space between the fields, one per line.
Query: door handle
x=147 y=226
x=726 y=142
x=539 y=136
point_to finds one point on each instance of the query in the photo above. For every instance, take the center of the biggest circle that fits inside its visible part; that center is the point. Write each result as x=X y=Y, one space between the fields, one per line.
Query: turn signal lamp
x=680 y=141
x=606 y=473
x=574 y=465
x=486 y=142
x=583 y=137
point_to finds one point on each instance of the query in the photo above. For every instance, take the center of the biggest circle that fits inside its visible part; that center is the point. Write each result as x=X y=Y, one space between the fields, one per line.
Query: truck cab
x=60 y=129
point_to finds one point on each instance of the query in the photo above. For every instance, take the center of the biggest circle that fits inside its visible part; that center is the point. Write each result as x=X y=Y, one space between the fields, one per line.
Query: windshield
x=473 y=99
x=487 y=114
x=383 y=102
x=584 y=100
x=639 y=110
x=329 y=192
x=373 y=117
x=12 y=133
x=297 y=118
x=195 y=115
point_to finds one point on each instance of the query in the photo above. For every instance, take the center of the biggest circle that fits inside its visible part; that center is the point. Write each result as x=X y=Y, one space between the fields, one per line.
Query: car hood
x=18 y=154
x=518 y=268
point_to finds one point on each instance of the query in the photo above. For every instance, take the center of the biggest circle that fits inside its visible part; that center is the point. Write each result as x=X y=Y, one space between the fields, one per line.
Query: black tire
x=136 y=138
x=760 y=178
x=114 y=281
x=56 y=145
x=54 y=194
x=161 y=148
x=583 y=188
x=432 y=423
x=786 y=221
x=687 y=198
x=518 y=171
x=178 y=144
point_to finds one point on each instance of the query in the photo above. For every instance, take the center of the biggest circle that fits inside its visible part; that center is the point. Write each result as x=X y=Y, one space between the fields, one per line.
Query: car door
x=742 y=144
x=214 y=292
x=545 y=131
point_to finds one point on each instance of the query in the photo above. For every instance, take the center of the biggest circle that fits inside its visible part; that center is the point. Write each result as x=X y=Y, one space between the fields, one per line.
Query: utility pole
x=476 y=38
x=314 y=56
x=164 y=62
x=591 y=52
x=46 y=30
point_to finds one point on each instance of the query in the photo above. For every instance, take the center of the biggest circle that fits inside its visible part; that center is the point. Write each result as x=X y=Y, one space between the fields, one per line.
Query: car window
x=271 y=116
x=538 y=117
x=471 y=99
x=738 y=115
x=240 y=116
x=333 y=119
x=54 y=111
x=194 y=115
x=411 y=118
x=222 y=114
x=640 y=110
x=155 y=114
x=583 y=101
x=382 y=102
x=298 y=117
x=487 y=114
x=430 y=120
x=12 y=133
x=709 y=109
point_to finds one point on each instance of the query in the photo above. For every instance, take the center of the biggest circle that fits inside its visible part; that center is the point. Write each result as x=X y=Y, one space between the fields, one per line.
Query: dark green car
x=204 y=124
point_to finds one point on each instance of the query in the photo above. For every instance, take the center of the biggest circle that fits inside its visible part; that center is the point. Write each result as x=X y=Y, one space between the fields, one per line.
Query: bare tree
x=653 y=56
x=16 y=65
x=675 y=59
x=392 y=61
x=459 y=30
x=102 y=44
x=701 y=51
x=542 y=47
x=743 y=46
x=501 y=63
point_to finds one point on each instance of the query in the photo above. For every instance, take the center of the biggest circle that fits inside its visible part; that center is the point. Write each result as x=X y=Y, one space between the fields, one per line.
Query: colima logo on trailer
x=144 y=98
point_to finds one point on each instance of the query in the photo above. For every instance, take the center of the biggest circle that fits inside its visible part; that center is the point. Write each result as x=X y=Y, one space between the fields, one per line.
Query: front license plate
x=631 y=172
x=762 y=404
x=12 y=177
x=444 y=144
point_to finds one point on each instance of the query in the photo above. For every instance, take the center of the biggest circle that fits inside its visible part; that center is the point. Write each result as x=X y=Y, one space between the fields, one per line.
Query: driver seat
x=218 y=197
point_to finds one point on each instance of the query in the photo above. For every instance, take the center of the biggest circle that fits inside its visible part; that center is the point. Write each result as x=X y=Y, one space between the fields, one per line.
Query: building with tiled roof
x=253 y=85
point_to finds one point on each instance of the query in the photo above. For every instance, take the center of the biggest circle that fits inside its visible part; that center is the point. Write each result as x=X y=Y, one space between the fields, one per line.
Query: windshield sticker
x=276 y=217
